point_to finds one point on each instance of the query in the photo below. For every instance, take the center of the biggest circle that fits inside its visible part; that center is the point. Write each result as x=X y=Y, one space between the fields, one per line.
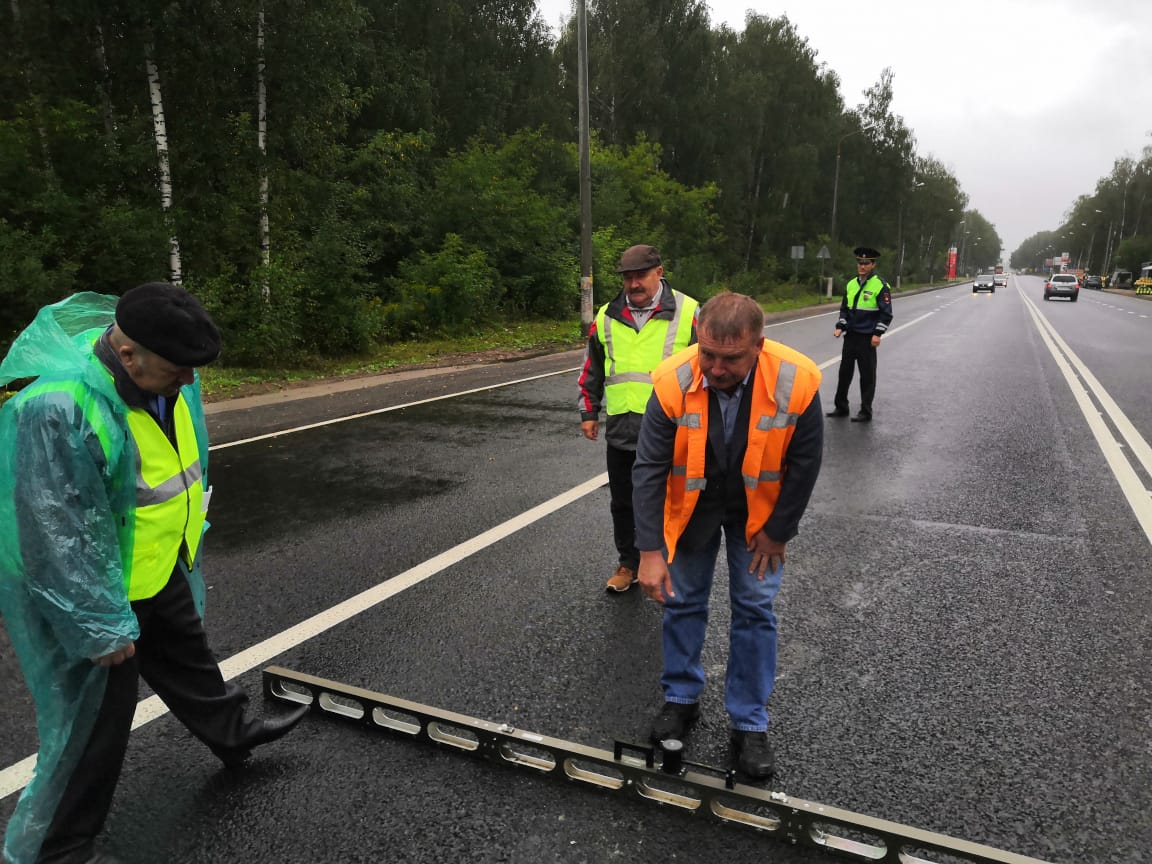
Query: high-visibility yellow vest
x=784 y=386
x=869 y=299
x=169 y=515
x=630 y=355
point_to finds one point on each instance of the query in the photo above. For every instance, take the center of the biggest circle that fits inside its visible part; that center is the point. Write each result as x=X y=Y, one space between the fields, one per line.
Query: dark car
x=1062 y=285
x=984 y=282
x=1093 y=282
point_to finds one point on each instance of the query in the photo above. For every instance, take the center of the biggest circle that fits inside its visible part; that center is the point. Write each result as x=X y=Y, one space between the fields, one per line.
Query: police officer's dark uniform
x=865 y=313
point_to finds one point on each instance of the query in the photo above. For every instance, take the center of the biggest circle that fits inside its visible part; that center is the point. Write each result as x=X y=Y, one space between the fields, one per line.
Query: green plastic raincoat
x=67 y=498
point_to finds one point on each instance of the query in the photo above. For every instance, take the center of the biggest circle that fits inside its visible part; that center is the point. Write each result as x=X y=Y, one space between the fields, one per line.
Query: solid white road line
x=336 y=420
x=17 y=776
x=1130 y=483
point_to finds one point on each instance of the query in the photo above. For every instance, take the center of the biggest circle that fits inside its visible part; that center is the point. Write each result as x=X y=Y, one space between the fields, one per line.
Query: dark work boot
x=865 y=416
x=754 y=755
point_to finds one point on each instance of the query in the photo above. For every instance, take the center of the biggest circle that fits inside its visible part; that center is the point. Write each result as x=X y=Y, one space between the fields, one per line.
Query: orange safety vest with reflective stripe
x=783 y=387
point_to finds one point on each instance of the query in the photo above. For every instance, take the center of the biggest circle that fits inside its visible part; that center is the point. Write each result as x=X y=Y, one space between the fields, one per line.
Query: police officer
x=647 y=322
x=865 y=313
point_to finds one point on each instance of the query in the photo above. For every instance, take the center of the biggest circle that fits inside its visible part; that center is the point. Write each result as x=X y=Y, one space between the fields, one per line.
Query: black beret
x=637 y=258
x=170 y=322
x=865 y=252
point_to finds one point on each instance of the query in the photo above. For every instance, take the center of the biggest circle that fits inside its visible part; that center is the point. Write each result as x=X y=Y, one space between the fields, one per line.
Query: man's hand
x=837 y=332
x=655 y=580
x=591 y=429
x=116 y=657
x=875 y=341
x=767 y=555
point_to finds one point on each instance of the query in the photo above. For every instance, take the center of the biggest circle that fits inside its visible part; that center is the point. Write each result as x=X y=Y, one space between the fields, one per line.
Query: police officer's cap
x=866 y=252
x=638 y=259
x=170 y=322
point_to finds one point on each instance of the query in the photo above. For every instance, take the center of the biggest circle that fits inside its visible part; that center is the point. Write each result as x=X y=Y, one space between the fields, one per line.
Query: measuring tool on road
x=656 y=774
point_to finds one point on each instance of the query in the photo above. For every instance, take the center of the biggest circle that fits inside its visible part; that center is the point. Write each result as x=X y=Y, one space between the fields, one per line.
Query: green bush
x=445 y=292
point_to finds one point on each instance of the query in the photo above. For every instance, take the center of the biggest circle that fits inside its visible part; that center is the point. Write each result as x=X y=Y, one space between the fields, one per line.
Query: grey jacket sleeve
x=654 y=451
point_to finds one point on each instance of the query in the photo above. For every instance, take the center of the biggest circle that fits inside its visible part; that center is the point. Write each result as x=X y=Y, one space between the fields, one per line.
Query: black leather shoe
x=263 y=732
x=863 y=417
x=673 y=721
x=754 y=756
x=839 y=412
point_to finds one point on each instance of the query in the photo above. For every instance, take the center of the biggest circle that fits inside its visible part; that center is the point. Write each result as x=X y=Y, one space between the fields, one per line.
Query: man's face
x=725 y=362
x=153 y=374
x=642 y=285
x=864 y=268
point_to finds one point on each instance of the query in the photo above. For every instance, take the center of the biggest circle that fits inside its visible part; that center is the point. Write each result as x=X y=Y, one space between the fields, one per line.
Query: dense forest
x=332 y=174
x=1111 y=229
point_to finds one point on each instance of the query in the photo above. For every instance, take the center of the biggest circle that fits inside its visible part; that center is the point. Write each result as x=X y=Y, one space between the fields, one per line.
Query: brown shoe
x=621 y=580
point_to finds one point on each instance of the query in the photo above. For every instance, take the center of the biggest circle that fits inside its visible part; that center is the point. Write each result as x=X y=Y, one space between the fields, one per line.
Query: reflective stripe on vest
x=631 y=355
x=169 y=499
x=784 y=386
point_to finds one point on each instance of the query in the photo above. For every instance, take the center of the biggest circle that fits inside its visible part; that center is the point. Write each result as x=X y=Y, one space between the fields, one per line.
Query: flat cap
x=638 y=258
x=866 y=252
x=170 y=322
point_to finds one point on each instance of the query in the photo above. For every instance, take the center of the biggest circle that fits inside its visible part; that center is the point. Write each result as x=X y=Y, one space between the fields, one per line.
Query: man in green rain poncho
x=103 y=497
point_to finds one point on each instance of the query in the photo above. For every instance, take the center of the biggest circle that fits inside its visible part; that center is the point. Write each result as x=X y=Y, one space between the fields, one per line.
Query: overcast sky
x=1027 y=102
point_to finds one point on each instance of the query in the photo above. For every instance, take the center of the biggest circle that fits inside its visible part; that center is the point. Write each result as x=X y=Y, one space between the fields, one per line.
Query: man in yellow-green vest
x=865 y=313
x=103 y=501
x=646 y=323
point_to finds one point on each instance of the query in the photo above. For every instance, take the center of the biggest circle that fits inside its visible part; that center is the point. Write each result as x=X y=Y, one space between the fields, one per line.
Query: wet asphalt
x=964 y=619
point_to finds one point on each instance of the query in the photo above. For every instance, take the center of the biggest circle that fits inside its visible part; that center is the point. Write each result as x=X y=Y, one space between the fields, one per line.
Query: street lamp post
x=900 y=233
x=835 y=181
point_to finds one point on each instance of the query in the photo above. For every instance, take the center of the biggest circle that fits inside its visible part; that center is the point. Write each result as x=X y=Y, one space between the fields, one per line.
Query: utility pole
x=585 y=174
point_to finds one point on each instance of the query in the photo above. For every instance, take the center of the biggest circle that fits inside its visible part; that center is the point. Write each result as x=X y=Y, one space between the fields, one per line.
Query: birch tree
x=262 y=145
x=175 y=271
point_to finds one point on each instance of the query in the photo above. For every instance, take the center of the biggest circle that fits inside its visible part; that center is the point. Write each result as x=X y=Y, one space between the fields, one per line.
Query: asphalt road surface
x=964 y=618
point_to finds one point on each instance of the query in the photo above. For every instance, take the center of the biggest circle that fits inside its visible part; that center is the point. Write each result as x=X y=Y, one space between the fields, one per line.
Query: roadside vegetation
x=342 y=181
x=1107 y=230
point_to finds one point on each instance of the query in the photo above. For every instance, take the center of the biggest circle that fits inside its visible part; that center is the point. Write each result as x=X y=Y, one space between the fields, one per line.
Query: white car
x=1062 y=285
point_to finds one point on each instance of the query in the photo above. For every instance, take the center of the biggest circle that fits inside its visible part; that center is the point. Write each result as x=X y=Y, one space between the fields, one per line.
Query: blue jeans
x=752 y=641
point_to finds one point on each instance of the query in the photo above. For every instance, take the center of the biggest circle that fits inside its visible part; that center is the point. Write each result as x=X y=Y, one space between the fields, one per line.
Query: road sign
x=823 y=254
x=797 y=253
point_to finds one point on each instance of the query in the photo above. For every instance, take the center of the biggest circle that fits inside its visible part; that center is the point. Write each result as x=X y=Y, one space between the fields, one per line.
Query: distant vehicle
x=1000 y=280
x=1062 y=285
x=999 y=269
x=1120 y=279
x=1093 y=282
x=984 y=282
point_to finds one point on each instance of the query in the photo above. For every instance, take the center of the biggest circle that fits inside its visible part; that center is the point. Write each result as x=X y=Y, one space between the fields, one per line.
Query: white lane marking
x=336 y=420
x=1130 y=483
x=836 y=360
x=16 y=777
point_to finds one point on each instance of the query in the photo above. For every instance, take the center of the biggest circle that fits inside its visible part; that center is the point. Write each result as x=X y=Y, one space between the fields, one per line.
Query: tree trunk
x=262 y=144
x=105 y=89
x=33 y=95
x=174 y=269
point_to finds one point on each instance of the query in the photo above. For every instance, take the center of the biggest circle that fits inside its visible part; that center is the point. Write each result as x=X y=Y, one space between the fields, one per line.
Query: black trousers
x=620 y=464
x=173 y=657
x=857 y=350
